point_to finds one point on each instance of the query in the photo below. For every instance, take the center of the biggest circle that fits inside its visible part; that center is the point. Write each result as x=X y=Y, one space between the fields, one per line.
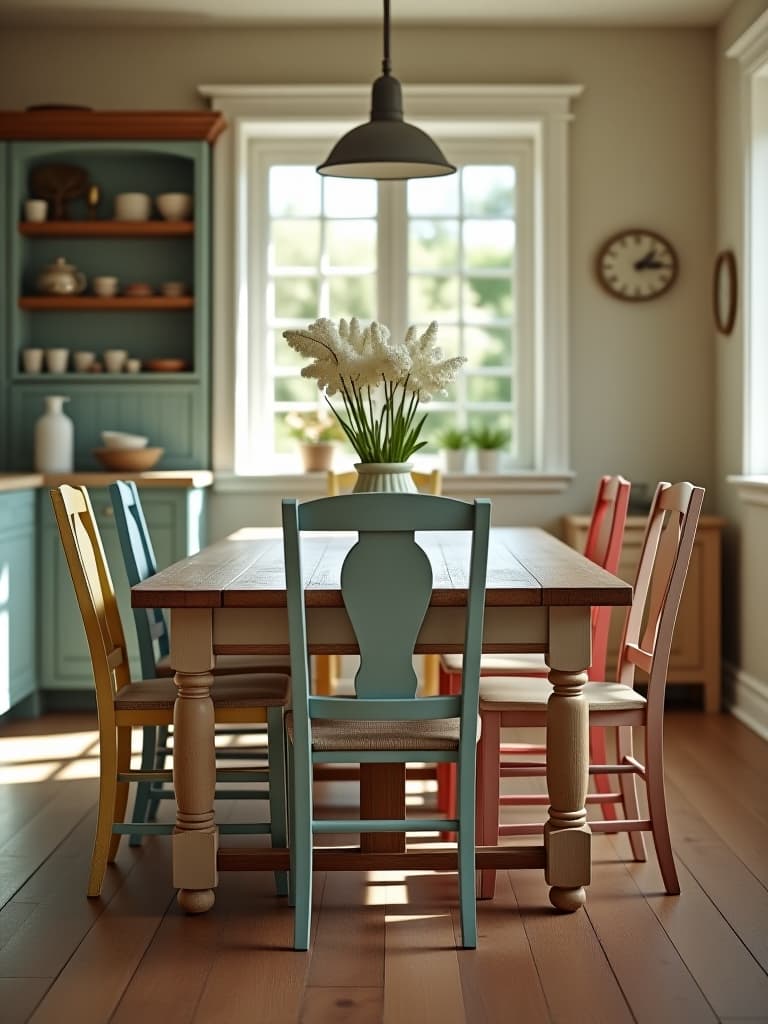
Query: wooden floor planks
x=384 y=944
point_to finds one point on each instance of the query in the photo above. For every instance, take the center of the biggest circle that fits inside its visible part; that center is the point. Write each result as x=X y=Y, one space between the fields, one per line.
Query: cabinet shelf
x=107 y=229
x=95 y=302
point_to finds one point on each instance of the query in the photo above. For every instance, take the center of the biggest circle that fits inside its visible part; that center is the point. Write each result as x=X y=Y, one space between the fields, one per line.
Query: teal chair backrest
x=386 y=585
x=140 y=564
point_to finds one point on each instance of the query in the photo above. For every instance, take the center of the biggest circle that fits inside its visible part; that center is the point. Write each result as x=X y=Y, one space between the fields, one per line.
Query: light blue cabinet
x=18 y=587
x=176 y=521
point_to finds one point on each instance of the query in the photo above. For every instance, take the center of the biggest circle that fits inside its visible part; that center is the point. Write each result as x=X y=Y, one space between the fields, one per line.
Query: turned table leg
x=195 y=839
x=567 y=835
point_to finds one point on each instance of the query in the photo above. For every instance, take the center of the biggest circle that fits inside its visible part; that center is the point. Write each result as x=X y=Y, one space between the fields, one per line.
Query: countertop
x=182 y=478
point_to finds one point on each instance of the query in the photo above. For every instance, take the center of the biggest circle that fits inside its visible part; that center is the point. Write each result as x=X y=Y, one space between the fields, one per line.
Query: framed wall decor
x=725 y=291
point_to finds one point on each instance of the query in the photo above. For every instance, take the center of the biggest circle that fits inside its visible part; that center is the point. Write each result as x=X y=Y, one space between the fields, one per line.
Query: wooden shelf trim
x=96 y=303
x=95 y=125
x=107 y=228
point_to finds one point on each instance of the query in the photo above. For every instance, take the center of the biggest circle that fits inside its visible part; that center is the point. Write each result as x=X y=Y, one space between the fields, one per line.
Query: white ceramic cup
x=36 y=210
x=83 y=361
x=32 y=360
x=133 y=206
x=132 y=365
x=114 y=360
x=174 y=205
x=57 y=360
x=104 y=286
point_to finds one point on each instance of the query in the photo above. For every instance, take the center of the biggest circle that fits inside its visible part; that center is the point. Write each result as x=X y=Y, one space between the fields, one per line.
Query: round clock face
x=637 y=265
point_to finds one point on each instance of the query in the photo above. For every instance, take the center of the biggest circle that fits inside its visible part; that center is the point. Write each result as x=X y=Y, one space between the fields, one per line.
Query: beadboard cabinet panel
x=18 y=587
x=696 y=644
x=168 y=413
x=176 y=523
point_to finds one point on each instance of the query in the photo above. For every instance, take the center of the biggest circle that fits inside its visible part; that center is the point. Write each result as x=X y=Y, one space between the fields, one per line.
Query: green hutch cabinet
x=119 y=152
x=18 y=640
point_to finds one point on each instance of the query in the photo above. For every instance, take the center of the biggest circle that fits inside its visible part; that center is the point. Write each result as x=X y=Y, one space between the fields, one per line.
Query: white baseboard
x=746 y=699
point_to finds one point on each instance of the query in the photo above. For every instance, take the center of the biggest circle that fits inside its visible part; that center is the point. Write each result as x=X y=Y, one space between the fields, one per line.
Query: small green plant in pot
x=453 y=442
x=489 y=441
x=317 y=433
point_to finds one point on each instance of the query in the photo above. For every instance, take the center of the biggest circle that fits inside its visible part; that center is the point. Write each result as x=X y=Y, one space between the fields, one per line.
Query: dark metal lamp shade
x=387 y=147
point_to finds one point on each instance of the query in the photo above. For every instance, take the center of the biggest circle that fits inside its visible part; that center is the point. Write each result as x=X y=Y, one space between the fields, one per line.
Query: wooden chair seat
x=228 y=692
x=432 y=734
x=527 y=694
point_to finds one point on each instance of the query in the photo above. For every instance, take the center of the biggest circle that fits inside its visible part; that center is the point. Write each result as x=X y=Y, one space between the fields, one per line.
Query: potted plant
x=489 y=442
x=316 y=432
x=453 y=442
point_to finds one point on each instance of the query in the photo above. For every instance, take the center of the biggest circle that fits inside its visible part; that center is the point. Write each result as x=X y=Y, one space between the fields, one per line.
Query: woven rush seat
x=236 y=664
x=520 y=663
x=500 y=693
x=227 y=692
x=340 y=734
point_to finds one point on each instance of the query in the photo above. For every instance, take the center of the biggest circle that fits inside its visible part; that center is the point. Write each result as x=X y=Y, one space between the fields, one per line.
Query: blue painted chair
x=153 y=639
x=386 y=584
x=124 y=703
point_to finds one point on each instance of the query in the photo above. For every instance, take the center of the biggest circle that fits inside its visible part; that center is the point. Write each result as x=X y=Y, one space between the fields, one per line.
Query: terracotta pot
x=317 y=457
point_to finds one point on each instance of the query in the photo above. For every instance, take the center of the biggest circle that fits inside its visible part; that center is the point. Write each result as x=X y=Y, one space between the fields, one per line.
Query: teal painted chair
x=386 y=584
x=153 y=639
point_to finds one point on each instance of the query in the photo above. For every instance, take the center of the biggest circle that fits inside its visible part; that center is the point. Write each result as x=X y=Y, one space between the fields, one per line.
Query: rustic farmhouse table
x=230 y=599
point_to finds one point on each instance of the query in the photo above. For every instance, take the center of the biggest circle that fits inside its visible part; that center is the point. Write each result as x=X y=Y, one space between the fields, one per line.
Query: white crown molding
x=751 y=48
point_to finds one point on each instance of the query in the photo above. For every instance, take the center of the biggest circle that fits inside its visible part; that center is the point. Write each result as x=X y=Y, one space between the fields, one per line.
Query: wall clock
x=636 y=265
x=725 y=291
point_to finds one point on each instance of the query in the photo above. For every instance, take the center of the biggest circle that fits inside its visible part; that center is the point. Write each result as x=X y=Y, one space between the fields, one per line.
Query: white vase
x=488 y=460
x=384 y=476
x=54 y=438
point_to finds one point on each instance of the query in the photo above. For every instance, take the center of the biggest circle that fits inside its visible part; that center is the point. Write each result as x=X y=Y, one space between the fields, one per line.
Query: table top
x=526 y=566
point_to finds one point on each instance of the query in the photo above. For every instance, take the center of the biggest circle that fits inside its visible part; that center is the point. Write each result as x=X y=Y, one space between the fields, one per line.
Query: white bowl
x=133 y=206
x=117 y=439
x=174 y=205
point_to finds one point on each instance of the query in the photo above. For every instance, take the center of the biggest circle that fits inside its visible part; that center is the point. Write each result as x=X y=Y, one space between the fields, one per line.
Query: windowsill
x=752 y=490
x=300 y=484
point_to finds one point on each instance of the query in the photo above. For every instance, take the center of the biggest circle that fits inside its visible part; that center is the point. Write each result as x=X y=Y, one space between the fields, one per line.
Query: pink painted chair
x=645 y=644
x=603 y=547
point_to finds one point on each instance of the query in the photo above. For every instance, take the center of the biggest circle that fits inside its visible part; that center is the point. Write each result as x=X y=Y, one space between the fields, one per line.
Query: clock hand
x=647 y=260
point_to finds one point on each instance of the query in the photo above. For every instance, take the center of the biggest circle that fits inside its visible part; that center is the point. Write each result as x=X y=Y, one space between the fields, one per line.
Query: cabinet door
x=172 y=517
x=18 y=647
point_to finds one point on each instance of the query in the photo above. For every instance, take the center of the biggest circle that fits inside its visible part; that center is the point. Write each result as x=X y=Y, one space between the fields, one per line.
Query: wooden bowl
x=128 y=460
x=166 y=365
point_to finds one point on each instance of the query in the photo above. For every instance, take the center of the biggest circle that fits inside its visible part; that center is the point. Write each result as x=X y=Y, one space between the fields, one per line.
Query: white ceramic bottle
x=54 y=438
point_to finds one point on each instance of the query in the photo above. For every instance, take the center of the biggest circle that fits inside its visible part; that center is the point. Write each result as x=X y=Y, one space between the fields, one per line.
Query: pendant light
x=387 y=147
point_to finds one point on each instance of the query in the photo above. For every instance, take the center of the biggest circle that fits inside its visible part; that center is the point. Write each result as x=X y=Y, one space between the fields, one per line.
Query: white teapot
x=60 y=278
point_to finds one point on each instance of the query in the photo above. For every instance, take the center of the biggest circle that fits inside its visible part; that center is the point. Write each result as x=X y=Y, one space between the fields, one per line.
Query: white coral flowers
x=351 y=362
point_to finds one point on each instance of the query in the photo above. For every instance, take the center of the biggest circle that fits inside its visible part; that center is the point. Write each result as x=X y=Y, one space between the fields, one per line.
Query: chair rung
x=389 y=825
x=233 y=829
x=507 y=771
x=643 y=825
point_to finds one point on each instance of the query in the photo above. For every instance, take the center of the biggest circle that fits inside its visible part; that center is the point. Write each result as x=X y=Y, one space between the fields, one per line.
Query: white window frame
x=537 y=113
x=751 y=50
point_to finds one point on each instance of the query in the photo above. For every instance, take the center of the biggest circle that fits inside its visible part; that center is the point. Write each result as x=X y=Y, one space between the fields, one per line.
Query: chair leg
x=597 y=755
x=107 y=792
x=160 y=742
x=446 y=780
x=143 y=789
x=466 y=852
x=628 y=787
x=657 y=807
x=301 y=848
x=277 y=789
x=488 y=794
x=289 y=808
x=443 y=768
x=121 y=788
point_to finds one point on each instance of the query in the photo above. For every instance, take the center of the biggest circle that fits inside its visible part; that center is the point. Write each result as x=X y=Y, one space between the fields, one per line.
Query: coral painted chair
x=603 y=547
x=385 y=720
x=646 y=644
x=123 y=703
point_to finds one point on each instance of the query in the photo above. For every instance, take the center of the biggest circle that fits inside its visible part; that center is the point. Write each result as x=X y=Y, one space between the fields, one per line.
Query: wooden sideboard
x=696 y=647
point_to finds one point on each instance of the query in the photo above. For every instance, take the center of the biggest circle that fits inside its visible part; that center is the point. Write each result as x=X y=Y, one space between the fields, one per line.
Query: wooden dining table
x=230 y=598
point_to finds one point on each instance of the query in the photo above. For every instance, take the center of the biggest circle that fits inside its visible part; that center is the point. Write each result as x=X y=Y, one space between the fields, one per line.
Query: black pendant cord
x=386 y=66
